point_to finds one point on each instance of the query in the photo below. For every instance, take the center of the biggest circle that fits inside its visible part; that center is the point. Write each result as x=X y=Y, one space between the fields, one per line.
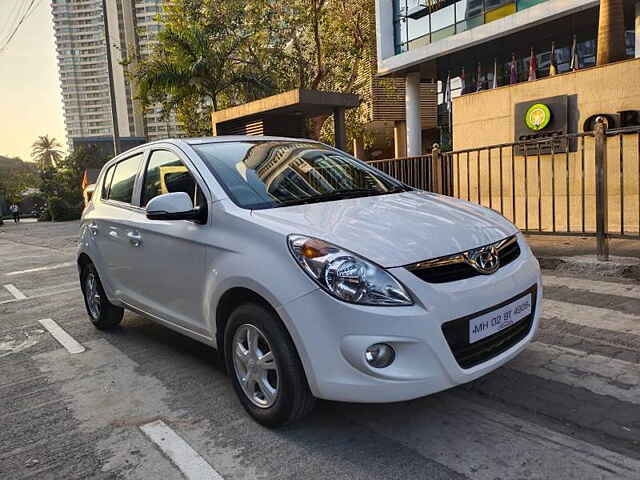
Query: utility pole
x=112 y=95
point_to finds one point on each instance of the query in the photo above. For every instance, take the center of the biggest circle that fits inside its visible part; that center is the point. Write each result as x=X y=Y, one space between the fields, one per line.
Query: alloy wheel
x=92 y=295
x=255 y=366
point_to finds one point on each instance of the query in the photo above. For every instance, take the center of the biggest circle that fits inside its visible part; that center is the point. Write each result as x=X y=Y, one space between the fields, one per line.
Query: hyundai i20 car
x=313 y=274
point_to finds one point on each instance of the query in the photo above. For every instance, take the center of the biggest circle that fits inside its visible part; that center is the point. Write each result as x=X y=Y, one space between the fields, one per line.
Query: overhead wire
x=32 y=6
x=14 y=12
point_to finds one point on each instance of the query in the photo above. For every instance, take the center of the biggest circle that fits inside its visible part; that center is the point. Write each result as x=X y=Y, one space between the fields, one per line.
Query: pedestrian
x=15 y=210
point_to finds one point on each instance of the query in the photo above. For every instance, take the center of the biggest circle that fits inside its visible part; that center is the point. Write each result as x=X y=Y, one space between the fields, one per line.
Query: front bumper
x=332 y=336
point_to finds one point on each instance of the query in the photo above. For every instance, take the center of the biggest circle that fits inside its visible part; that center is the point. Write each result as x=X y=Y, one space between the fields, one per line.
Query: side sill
x=185 y=331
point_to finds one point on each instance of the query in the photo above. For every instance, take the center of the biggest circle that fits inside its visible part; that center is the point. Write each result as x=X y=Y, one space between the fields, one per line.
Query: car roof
x=229 y=138
x=203 y=141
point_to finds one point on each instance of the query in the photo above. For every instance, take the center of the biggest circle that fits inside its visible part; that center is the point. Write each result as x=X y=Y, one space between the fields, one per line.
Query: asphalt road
x=568 y=407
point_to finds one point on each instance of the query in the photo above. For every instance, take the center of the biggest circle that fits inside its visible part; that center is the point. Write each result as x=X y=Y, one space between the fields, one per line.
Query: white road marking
x=190 y=463
x=17 y=294
x=594 y=286
x=41 y=269
x=594 y=317
x=48 y=294
x=66 y=340
x=598 y=374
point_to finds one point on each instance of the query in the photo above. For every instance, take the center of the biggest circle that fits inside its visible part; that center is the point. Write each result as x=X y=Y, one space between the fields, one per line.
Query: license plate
x=499 y=319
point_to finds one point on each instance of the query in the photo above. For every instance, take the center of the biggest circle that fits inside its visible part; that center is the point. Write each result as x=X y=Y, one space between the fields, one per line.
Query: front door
x=170 y=265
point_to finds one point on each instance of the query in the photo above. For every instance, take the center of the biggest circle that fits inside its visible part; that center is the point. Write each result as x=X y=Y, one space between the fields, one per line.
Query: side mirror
x=175 y=206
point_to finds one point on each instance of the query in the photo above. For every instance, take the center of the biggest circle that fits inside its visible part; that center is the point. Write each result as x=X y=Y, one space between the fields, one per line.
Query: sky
x=30 y=97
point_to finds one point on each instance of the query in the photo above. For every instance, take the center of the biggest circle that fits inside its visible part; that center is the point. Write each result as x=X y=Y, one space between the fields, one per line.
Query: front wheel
x=102 y=312
x=265 y=369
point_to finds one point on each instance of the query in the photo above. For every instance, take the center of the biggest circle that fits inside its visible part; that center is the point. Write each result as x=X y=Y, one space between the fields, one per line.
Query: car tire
x=292 y=399
x=102 y=312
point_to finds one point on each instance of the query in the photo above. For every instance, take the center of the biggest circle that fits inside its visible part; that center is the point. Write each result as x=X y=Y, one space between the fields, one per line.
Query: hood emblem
x=485 y=259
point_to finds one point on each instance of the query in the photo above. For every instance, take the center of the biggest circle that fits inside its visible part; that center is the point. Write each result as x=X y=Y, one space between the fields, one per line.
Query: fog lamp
x=380 y=355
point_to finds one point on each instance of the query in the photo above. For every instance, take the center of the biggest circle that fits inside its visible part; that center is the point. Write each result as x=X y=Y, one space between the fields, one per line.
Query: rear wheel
x=265 y=369
x=102 y=312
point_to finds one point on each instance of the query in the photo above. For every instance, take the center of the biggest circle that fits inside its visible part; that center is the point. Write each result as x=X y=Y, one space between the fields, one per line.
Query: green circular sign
x=537 y=117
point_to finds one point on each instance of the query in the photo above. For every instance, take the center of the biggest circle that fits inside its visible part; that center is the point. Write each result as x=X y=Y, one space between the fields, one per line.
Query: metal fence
x=414 y=171
x=575 y=184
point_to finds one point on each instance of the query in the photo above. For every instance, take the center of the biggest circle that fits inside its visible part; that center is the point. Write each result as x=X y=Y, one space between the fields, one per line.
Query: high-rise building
x=82 y=61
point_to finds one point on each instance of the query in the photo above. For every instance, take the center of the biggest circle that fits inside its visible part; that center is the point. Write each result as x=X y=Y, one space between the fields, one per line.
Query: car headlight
x=345 y=275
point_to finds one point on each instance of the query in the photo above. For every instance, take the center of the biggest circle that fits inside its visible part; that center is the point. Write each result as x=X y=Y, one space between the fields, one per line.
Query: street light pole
x=112 y=96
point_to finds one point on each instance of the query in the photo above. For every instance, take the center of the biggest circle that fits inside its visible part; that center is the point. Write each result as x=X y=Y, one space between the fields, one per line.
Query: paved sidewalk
x=565 y=409
x=565 y=246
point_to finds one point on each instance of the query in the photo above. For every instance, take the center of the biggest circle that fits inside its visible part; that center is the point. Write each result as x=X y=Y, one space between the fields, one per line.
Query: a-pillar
x=412 y=110
x=339 y=128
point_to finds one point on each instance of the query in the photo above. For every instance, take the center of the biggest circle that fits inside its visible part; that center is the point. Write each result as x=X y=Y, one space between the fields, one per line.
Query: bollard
x=436 y=170
x=602 y=204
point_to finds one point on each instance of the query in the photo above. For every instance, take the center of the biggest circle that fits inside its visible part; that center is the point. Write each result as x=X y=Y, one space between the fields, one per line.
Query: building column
x=339 y=128
x=412 y=111
x=638 y=29
x=611 y=45
x=400 y=139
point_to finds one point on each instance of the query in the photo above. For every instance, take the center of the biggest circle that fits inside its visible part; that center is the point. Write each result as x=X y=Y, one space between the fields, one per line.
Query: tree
x=611 y=35
x=218 y=53
x=62 y=184
x=16 y=177
x=46 y=152
x=206 y=58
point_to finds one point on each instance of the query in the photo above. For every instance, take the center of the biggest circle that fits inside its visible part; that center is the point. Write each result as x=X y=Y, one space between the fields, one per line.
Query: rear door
x=169 y=278
x=117 y=216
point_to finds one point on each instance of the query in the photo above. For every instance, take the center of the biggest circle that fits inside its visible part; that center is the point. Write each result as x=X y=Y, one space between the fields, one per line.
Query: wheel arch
x=229 y=301
x=236 y=296
x=83 y=260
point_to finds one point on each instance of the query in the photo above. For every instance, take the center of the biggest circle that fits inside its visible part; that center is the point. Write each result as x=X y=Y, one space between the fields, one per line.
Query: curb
x=618 y=267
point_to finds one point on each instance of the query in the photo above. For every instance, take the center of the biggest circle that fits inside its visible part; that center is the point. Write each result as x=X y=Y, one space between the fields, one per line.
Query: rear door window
x=124 y=179
x=106 y=183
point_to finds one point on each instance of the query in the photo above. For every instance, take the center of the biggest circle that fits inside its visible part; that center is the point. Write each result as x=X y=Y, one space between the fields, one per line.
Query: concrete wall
x=487 y=118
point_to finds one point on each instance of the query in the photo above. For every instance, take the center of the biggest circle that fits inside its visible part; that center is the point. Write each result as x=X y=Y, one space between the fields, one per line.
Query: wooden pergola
x=285 y=114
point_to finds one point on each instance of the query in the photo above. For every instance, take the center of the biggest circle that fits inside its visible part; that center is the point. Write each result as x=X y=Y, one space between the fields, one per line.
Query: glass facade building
x=421 y=22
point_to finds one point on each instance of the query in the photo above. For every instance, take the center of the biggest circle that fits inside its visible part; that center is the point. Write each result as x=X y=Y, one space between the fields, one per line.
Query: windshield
x=268 y=174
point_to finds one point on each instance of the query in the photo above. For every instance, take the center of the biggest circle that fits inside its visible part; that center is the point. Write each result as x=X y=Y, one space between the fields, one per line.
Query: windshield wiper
x=340 y=195
x=335 y=195
x=400 y=188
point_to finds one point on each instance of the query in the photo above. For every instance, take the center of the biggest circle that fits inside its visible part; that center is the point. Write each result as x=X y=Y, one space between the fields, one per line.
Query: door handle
x=93 y=228
x=135 y=239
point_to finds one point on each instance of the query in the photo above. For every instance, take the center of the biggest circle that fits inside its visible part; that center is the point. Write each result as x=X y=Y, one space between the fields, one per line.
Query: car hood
x=395 y=229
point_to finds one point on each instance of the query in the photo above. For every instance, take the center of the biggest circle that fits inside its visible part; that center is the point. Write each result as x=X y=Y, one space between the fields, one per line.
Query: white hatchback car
x=312 y=273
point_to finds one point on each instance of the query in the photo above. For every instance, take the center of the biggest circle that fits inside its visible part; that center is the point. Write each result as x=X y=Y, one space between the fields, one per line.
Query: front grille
x=456 y=333
x=455 y=267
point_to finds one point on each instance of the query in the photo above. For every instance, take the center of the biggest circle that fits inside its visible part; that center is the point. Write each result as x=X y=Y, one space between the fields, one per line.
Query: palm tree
x=46 y=152
x=611 y=41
